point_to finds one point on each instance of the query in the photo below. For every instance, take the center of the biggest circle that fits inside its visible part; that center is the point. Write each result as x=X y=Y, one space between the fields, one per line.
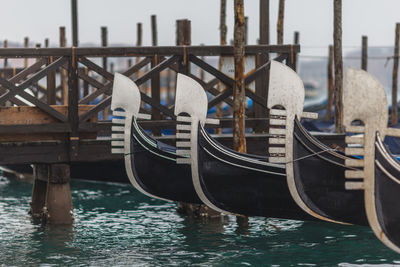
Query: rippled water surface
x=116 y=225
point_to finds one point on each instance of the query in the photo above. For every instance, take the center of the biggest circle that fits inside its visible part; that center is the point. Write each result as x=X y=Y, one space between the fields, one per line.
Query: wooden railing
x=82 y=72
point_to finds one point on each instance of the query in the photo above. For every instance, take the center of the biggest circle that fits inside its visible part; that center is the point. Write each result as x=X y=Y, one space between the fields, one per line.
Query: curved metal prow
x=372 y=110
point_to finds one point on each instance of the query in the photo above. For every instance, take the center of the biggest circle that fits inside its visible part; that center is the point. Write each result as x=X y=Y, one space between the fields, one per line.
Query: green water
x=117 y=226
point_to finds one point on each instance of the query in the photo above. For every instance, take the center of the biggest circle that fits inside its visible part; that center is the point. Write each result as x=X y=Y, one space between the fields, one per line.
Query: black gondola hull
x=239 y=186
x=156 y=171
x=319 y=176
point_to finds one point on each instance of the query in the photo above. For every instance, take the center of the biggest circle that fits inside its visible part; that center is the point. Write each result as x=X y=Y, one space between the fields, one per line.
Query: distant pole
x=183 y=32
x=364 y=53
x=104 y=43
x=296 y=41
x=239 y=140
x=154 y=39
x=223 y=29
x=64 y=83
x=279 y=27
x=5 y=44
x=46 y=42
x=26 y=45
x=138 y=43
x=395 y=73
x=261 y=82
x=139 y=34
x=155 y=80
x=246 y=30
x=337 y=46
x=74 y=9
x=330 y=85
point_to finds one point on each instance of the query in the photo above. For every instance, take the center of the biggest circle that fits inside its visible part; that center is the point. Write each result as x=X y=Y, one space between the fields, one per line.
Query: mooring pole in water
x=338 y=59
x=74 y=13
x=5 y=45
x=329 y=104
x=51 y=194
x=261 y=82
x=26 y=45
x=395 y=75
x=104 y=43
x=364 y=53
x=222 y=41
x=155 y=79
x=64 y=75
x=239 y=97
x=279 y=26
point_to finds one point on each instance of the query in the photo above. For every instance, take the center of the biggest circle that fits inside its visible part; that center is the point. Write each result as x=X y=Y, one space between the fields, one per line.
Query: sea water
x=117 y=226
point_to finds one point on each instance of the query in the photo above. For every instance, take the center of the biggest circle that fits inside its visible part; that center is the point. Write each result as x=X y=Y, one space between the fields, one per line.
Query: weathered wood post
x=63 y=73
x=104 y=43
x=155 y=79
x=239 y=97
x=262 y=81
x=337 y=46
x=51 y=195
x=26 y=45
x=222 y=40
x=279 y=27
x=330 y=85
x=5 y=45
x=74 y=13
x=395 y=75
x=296 y=41
x=364 y=53
x=138 y=43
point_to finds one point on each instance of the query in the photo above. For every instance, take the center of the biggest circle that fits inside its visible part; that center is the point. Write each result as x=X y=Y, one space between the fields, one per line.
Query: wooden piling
x=239 y=98
x=330 y=85
x=138 y=43
x=38 y=199
x=338 y=59
x=104 y=43
x=46 y=42
x=296 y=41
x=394 y=114
x=222 y=38
x=155 y=79
x=364 y=53
x=5 y=45
x=261 y=82
x=64 y=83
x=26 y=45
x=279 y=27
x=51 y=195
x=74 y=13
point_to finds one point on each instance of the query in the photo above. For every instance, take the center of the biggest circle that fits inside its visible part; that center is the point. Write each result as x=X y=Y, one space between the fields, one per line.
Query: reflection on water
x=115 y=225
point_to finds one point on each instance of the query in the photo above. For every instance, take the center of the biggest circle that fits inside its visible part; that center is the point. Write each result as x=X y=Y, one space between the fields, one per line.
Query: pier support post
x=51 y=195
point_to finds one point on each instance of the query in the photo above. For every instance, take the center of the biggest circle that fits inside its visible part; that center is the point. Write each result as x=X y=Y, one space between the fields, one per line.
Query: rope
x=315 y=153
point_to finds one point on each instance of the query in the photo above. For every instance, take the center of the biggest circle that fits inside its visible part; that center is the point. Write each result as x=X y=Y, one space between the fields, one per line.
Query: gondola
x=225 y=180
x=379 y=173
x=150 y=164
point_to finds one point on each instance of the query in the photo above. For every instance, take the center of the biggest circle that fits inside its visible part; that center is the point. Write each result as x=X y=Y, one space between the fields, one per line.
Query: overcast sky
x=40 y=19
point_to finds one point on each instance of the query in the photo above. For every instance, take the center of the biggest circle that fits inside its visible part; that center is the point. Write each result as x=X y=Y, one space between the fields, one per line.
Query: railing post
x=73 y=115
